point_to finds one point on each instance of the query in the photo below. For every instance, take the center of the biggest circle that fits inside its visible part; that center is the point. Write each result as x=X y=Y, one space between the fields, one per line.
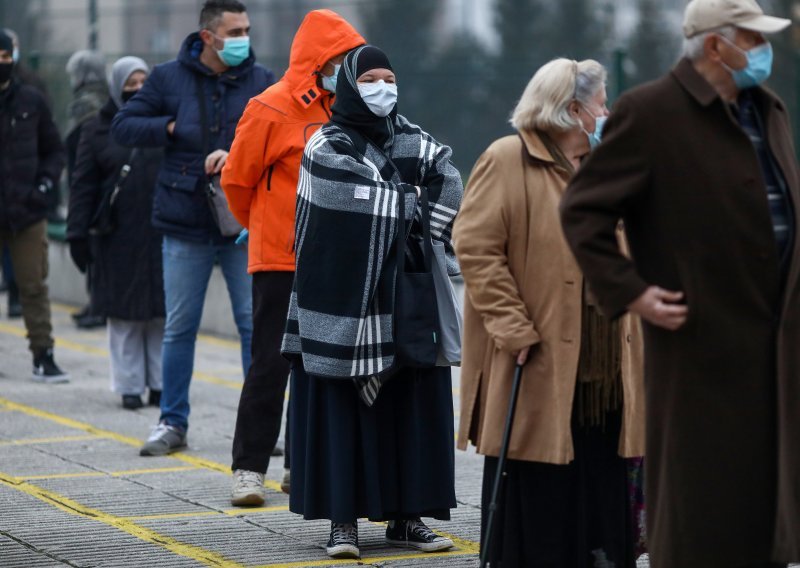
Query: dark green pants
x=28 y=249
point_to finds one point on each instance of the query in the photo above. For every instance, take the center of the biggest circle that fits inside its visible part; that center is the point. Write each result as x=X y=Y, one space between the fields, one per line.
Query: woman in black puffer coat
x=125 y=264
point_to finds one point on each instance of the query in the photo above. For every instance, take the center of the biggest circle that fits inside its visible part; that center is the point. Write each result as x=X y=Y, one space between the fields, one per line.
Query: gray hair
x=86 y=66
x=122 y=69
x=545 y=101
x=693 y=47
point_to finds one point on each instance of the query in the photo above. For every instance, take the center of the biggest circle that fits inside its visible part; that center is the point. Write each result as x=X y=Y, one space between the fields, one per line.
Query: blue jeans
x=187 y=270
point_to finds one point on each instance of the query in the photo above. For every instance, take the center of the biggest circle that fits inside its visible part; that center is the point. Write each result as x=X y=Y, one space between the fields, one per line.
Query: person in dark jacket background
x=216 y=65
x=127 y=277
x=25 y=76
x=87 y=77
x=31 y=160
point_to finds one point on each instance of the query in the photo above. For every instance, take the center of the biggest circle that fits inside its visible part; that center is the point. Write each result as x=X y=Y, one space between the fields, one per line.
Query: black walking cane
x=500 y=476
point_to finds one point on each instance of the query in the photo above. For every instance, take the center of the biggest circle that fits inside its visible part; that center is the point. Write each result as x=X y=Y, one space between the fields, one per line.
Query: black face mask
x=5 y=72
x=128 y=95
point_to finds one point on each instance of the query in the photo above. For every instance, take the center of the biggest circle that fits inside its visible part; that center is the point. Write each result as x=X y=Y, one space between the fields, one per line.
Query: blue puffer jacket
x=170 y=93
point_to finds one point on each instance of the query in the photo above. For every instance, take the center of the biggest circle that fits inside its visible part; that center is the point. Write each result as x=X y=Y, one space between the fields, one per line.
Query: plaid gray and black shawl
x=340 y=312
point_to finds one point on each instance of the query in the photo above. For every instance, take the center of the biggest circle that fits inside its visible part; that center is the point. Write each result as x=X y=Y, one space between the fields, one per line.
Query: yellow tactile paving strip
x=25 y=484
x=129 y=525
x=205 y=557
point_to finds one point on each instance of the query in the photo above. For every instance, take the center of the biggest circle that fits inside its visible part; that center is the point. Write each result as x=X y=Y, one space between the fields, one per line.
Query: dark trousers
x=8 y=277
x=28 y=249
x=258 y=422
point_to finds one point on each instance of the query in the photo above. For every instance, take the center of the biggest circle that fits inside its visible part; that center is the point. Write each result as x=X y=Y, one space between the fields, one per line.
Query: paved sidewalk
x=75 y=492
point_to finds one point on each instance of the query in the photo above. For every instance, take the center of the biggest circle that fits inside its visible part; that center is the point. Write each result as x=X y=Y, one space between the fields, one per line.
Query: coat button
x=628 y=338
x=566 y=340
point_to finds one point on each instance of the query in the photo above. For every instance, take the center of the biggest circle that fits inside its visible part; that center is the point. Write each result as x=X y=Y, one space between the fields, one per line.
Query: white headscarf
x=120 y=72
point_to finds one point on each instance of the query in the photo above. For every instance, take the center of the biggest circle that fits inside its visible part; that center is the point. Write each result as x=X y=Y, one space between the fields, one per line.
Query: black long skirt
x=565 y=516
x=391 y=461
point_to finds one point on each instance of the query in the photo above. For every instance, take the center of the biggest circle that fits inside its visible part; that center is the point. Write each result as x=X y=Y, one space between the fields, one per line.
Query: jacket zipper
x=269 y=177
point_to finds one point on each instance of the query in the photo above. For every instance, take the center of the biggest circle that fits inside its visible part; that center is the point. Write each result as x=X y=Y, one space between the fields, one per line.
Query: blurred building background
x=461 y=64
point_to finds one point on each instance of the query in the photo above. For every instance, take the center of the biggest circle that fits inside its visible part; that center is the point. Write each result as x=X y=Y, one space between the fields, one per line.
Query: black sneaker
x=343 y=542
x=132 y=401
x=154 y=398
x=45 y=369
x=83 y=312
x=416 y=534
x=90 y=321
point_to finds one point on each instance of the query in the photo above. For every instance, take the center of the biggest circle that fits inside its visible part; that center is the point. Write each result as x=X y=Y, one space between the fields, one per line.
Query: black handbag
x=104 y=220
x=416 y=326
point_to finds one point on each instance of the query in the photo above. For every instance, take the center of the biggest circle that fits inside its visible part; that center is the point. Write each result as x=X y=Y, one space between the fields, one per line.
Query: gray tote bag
x=449 y=309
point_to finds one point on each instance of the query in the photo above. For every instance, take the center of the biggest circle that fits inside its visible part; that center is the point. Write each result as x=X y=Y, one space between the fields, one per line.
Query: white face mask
x=380 y=97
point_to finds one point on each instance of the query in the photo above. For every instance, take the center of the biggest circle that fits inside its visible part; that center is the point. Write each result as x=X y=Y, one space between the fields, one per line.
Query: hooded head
x=351 y=108
x=120 y=72
x=85 y=67
x=323 y=35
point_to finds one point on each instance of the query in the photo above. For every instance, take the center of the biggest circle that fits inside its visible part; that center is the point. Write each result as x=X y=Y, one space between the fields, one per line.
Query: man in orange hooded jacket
x=260 y=182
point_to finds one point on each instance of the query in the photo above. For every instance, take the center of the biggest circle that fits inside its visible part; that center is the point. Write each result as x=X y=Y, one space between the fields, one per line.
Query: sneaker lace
x=249 y=479
x=420 y=529
x=345 y=533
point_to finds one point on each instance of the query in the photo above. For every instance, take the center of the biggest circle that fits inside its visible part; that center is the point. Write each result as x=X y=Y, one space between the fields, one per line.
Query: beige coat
x=523 y=287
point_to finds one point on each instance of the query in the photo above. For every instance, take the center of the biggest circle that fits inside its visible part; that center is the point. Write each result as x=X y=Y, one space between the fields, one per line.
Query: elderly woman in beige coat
x=580 y=411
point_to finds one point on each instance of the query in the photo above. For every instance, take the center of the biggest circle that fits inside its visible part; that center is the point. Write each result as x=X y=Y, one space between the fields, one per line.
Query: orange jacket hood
x=324 y=34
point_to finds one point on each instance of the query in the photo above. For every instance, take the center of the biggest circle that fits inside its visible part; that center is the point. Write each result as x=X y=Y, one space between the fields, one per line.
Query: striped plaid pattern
x=348 y=195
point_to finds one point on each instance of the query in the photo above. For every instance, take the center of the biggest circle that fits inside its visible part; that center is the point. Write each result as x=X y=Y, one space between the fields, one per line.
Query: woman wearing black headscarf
x=373 y=440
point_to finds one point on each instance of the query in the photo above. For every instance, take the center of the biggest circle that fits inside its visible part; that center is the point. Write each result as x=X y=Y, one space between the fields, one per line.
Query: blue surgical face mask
x=235 y=51
x=758 y=68
x=594 y=137
x=329 y=83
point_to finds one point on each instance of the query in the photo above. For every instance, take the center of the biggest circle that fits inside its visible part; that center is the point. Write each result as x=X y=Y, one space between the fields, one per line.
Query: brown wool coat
x=524 y=287
x=723 y=392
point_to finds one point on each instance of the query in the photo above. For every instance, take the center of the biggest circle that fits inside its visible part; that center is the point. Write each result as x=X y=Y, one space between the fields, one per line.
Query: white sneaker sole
x=56 y=380
x=343 y=551
x=437 y=546
x=248 y=500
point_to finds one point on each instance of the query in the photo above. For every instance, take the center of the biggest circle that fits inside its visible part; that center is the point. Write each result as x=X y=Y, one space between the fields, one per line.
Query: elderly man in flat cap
x=700 y=167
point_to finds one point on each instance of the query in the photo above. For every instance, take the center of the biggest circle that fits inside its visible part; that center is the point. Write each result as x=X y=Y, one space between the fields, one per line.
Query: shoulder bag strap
x=123 y=176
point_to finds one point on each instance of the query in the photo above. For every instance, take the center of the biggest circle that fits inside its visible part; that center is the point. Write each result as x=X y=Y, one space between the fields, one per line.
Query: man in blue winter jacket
x=216 y=69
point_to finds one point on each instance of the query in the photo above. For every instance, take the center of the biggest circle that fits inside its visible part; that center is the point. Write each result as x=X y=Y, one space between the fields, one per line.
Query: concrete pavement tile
x=22 y=461
x=16 y=555
x=119 y=497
